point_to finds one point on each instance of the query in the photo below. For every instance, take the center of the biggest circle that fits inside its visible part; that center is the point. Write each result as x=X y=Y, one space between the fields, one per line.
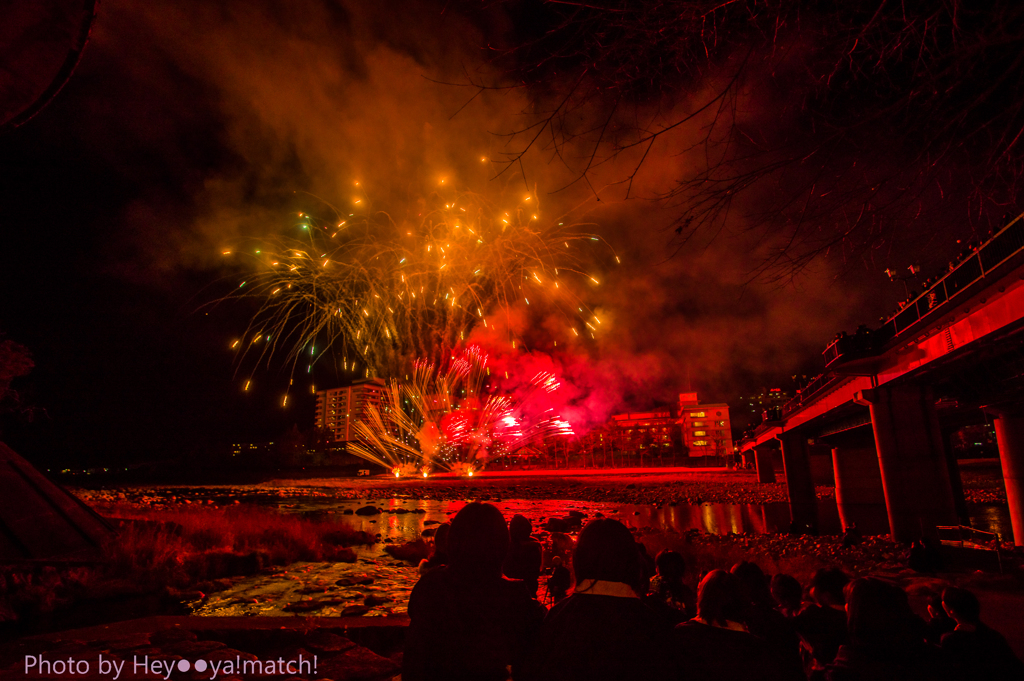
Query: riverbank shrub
x=158 y=559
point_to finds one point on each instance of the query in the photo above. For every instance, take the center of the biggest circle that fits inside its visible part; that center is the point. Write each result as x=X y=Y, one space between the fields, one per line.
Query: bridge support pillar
x=803 y=501
x=911 y=460
x=859 y=494
x=763 y=461
x=1009 y=424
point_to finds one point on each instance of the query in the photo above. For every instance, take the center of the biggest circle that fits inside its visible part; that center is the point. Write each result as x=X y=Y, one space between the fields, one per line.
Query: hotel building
x=338 y=410
x=706 y=427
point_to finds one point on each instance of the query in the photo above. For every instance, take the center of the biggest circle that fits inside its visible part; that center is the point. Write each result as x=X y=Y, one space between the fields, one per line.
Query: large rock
x=569 y=522
x=314 y=604
x=357 y=664
x=326 y=642
x=126 y=643
x=413 y=551
x=172 y=634
x=224 y=654
x=556 y=525
x=192 y=650
x=41 y=520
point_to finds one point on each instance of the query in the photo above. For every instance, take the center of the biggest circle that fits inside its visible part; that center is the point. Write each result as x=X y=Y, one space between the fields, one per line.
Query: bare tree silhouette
x=828 y=127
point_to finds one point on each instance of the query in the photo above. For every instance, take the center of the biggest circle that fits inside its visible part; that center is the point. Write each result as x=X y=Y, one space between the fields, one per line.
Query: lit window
x=697 y=414
x=700 y=443
x=700 y=433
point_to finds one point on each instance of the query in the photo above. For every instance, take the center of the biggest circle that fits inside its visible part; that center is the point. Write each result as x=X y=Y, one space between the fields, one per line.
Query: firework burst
x=449 y=417
x=379 y=292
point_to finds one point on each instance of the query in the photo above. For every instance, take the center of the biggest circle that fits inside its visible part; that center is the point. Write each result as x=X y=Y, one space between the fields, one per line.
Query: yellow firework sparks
x=385 y=291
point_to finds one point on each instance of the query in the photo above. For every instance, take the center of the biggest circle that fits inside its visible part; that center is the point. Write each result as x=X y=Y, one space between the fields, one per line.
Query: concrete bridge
x=891 y=397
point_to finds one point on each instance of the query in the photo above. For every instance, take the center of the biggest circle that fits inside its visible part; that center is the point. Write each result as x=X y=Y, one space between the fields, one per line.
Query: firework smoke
x=352 y=94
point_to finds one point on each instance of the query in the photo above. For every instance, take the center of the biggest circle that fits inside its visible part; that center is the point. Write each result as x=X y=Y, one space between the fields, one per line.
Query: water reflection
x=991 y=518
x=725 y=518
x=405 y=519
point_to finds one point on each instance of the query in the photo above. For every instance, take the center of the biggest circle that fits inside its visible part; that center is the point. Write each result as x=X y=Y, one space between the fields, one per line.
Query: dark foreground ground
x=338 y=649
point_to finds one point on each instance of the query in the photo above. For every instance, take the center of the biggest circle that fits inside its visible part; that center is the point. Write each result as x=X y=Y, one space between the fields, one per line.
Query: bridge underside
x=892 y=462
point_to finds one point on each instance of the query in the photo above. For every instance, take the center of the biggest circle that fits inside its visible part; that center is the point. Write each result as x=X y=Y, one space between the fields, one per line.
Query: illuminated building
x=762 y=406
x=656 y=432
x=706 y=427
x=250 y=450
x=337 y=410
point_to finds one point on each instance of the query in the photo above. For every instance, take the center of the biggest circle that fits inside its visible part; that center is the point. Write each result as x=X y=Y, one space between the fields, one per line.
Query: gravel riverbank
x=654 y=489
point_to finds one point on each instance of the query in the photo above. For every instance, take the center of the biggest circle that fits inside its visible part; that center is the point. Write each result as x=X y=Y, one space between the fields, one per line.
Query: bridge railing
x=1005 y=244
x=816 y=385
x=964 y=537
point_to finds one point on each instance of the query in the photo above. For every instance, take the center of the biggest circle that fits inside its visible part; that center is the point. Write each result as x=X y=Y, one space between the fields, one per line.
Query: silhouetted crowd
x=475 y=615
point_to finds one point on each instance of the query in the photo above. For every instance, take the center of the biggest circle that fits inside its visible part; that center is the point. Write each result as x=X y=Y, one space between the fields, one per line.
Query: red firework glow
x=453 y=416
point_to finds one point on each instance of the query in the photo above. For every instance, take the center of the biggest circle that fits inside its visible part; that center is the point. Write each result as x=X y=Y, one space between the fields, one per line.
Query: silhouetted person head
x=478 y=541
x=828 y=585
x=787 y=592
x=719 y=600
x=753 y=584
x=519 y=528
x=962 y=605
x=606 y=551
x=879 y=617
x=670 y=566
x=441 y=539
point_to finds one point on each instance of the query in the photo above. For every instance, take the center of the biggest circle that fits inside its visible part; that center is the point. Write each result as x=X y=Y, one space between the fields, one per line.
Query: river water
x=378 y=584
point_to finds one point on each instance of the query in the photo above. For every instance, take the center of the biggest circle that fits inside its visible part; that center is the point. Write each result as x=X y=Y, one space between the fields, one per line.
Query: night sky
x=189 y=126
x=126 y=365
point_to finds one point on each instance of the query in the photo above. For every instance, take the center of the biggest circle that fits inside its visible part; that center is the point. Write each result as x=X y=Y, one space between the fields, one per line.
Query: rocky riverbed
x=982 y=485
x=715 y=518
x=654 y=489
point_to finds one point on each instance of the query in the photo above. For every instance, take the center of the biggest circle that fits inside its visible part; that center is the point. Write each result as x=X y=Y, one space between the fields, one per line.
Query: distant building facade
x=706 y=428
x=763 y=405
x=338 y=410
x=656 y=432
